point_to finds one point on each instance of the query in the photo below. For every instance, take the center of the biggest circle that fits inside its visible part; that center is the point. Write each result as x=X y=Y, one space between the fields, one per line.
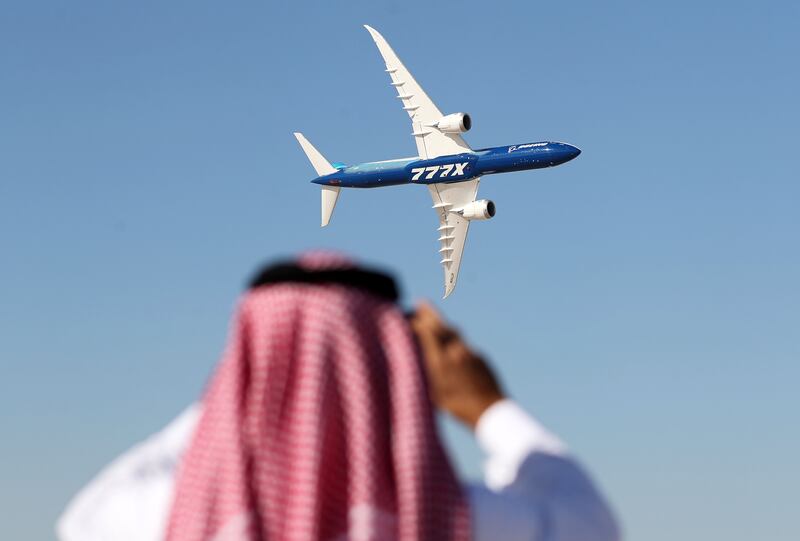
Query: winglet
x=372 y=31
x=449 y=286
x=388 y=54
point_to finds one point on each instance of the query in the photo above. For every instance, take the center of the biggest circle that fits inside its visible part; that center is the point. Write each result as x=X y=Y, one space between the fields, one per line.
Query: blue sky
x=642 y=300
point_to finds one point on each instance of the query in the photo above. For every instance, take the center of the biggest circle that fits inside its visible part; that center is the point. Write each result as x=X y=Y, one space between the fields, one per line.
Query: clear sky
x=642 y=300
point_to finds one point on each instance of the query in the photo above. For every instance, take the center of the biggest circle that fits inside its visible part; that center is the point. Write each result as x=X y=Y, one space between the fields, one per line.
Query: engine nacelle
x=455 y=123
x=483 y=209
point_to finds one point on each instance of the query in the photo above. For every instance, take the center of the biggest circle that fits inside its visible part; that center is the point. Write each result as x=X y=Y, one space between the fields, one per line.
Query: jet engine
x=482 y=209
x=454 y=123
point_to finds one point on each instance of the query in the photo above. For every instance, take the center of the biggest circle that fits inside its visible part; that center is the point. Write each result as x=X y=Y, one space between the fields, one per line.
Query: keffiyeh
x=318 y=425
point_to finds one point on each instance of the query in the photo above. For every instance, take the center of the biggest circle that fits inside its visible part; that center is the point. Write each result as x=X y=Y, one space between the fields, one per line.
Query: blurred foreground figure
x=318 y=425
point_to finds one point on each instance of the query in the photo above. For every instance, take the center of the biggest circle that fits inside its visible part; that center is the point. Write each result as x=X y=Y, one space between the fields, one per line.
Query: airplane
x=445 y=164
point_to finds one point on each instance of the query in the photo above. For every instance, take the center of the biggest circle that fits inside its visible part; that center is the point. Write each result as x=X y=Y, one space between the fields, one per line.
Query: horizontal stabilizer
x=329 y=196
x=321 y=165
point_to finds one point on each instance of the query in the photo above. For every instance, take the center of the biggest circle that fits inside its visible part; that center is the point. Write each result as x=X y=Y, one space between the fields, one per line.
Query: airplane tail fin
x=330 y=194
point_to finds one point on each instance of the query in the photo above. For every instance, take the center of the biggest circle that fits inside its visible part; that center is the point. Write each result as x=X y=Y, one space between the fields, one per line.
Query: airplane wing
x=431 y=143
x=452 y=227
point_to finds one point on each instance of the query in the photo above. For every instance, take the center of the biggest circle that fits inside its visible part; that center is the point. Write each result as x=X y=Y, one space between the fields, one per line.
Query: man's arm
x=534 y=490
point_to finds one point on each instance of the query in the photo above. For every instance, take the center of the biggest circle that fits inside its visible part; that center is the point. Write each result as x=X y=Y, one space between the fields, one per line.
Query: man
x=319 y=425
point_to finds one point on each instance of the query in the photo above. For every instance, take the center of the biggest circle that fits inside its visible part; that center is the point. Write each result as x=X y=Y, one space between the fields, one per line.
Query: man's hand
x=461 y=383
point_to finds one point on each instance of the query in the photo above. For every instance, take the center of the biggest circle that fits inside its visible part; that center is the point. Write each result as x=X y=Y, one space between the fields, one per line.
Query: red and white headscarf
x=318 y=426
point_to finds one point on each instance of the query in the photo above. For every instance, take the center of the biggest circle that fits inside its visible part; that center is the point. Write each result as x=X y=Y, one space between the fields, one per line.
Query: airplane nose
x=562 y=153
x=570 y=152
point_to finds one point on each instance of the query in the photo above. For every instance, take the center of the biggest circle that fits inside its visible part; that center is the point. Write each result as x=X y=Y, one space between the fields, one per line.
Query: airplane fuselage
x=452 y=168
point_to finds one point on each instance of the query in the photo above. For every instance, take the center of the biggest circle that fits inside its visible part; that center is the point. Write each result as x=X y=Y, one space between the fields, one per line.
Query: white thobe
x=533 y=490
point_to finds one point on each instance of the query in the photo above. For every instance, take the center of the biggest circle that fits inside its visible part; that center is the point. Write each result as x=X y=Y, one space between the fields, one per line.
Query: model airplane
x=445 y=164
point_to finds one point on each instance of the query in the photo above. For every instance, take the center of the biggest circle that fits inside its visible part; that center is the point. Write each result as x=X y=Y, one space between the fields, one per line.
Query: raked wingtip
x=374 y=33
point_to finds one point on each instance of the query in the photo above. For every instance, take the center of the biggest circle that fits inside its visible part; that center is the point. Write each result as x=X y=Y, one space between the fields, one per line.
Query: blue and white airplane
x=445 y=164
